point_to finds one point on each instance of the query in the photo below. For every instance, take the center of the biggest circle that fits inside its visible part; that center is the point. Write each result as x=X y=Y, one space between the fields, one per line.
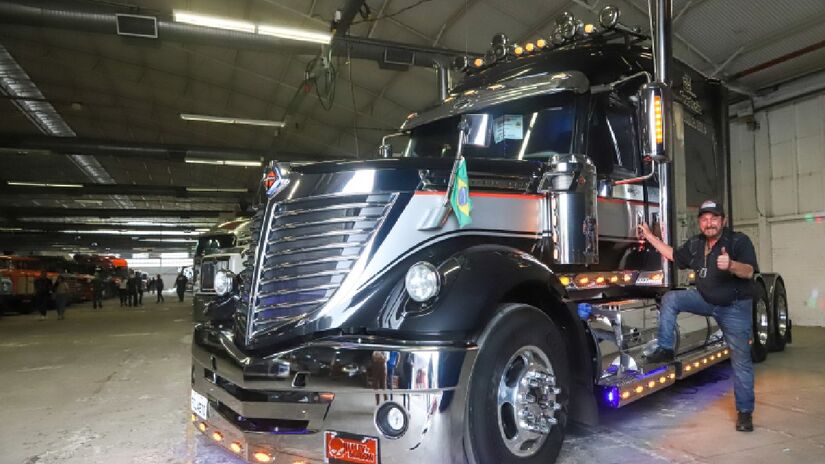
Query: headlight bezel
x=413 y=282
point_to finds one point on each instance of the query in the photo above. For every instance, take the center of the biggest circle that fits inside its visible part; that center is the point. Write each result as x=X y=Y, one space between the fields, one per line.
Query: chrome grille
x=308 y=247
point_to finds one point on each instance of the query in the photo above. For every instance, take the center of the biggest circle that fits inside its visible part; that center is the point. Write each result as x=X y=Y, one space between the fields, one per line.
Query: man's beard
x=712 y=232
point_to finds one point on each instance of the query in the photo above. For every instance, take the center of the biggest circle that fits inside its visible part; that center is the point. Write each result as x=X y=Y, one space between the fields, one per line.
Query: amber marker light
x=687 y=368
x=696 y=364
x=202 y=426
x=726 y=351
x=627 y=277
x=651 y=384
x=326 y=397
x=662 y=379
x=600 y=280
x=541 y=43
x=217 y=436
x=657 y=114
x=583 y=280
x=672 y=376
x=194 y=418
x=262 y=456
x=478 y=62
x=519 y=50
x=235 y=447
x=625 y=395
x=589 y=28
x=640 y=389
x=564 y=280
x=530 y=48
x=614 y=279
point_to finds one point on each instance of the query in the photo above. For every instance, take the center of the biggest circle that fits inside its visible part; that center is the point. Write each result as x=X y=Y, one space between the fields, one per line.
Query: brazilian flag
x=460 y=197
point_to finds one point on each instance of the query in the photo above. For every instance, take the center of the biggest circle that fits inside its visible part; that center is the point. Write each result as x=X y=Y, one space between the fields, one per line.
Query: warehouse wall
x=778 y=179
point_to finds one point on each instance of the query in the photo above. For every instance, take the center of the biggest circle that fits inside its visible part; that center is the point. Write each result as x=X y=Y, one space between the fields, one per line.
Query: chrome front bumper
x=282 y=404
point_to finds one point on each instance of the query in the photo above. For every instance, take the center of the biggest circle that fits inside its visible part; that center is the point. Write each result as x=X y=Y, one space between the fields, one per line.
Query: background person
x=61 y=296
x=159 y=288
x=42 y=294
x=180 y=285
x=97 y=291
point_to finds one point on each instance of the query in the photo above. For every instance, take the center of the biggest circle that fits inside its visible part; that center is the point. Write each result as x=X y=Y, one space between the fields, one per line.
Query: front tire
x=518 y=391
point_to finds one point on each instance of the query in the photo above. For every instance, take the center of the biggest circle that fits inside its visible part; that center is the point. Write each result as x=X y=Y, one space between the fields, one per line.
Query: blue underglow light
x=612 y=397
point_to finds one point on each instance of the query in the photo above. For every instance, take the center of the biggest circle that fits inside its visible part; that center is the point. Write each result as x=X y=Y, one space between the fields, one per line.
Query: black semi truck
x=370 y=325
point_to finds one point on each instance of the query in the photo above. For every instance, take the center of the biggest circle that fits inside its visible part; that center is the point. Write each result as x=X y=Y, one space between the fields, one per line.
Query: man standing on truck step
x=724 y=262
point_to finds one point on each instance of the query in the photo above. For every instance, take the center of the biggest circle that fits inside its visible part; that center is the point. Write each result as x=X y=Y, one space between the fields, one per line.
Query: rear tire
x=761 y=325
x=518 y=391
x=781 y=318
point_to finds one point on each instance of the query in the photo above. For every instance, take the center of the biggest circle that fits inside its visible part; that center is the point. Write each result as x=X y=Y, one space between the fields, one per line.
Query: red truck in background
x=17 y=276
x=111 y=268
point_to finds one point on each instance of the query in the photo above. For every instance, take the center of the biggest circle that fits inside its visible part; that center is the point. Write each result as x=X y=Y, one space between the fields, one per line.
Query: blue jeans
x=736 y=323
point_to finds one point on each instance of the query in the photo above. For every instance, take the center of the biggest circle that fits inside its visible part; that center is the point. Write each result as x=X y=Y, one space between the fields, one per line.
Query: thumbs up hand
x=723 y=261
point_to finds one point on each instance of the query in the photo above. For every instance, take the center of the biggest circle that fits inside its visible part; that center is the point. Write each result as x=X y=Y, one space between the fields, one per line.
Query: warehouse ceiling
x=121 y=143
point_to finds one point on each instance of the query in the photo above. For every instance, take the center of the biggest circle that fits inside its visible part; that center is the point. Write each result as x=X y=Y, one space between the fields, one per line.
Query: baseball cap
x=711 y=206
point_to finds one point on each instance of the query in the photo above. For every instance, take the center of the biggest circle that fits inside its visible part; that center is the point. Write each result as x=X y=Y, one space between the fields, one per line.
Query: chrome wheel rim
x=762 y=321
x=781 y=315
x=526 y=401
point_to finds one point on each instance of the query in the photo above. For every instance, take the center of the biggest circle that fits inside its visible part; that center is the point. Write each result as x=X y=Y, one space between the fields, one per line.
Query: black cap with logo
x=711 y=206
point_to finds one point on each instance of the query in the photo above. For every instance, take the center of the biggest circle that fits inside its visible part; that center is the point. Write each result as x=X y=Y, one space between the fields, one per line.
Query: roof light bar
x=228 y=120
x=44 y=184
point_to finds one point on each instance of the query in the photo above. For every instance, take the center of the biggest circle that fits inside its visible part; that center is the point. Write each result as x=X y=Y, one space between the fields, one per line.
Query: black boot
x=661 y=355
x=744 y=421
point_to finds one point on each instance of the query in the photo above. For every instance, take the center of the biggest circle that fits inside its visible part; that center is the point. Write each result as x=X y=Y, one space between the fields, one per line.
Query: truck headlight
x=223 y=281
x=422 y=282
x=5 y=286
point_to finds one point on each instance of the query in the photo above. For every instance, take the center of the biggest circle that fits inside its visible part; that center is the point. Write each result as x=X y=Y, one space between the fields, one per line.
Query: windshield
x=214 y=243
x=530 y=128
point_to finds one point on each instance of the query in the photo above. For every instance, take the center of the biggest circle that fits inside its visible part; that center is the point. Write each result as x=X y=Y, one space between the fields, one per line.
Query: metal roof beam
x=120 y=189
x=21 y=212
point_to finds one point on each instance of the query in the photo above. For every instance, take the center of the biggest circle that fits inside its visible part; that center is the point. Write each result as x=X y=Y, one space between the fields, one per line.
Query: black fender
x=478 y=280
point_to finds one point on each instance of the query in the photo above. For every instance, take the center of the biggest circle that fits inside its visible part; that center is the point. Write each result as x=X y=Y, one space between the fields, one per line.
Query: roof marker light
x=541 y=43
x=519 y=50
x=235 y=447
x=262 y=456
x=530 y=47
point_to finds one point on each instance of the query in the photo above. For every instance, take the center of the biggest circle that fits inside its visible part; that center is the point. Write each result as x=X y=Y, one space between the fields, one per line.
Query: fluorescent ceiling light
x=223 y=162
x=296 y=34
x=228 y=120
x=208 y=189
x=42 y=184
x=214 y=21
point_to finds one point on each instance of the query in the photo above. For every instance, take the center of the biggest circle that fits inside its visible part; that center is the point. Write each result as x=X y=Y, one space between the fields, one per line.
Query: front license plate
x=200 y=405
x=349 y=448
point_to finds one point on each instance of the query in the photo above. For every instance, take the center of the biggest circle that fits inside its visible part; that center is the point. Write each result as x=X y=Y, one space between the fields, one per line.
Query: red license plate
x=349 y=448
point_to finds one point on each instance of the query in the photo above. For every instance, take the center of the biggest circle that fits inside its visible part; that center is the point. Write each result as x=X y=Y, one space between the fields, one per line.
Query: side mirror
x=478 y=129
x=655 y=120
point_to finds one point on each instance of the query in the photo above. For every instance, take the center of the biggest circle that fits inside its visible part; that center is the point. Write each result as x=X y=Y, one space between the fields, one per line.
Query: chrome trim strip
x=330 y=208
x=300 y=290
x=293 y=251
x=309 y=262
x=343 y=220
x=287 y=278
x=291 y=305
x=296 y=238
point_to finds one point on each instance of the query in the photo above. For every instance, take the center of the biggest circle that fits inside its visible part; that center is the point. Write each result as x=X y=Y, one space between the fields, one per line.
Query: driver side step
x=626 y=387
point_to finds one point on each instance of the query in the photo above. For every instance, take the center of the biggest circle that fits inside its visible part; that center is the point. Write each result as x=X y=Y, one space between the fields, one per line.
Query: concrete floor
x=113 y=386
